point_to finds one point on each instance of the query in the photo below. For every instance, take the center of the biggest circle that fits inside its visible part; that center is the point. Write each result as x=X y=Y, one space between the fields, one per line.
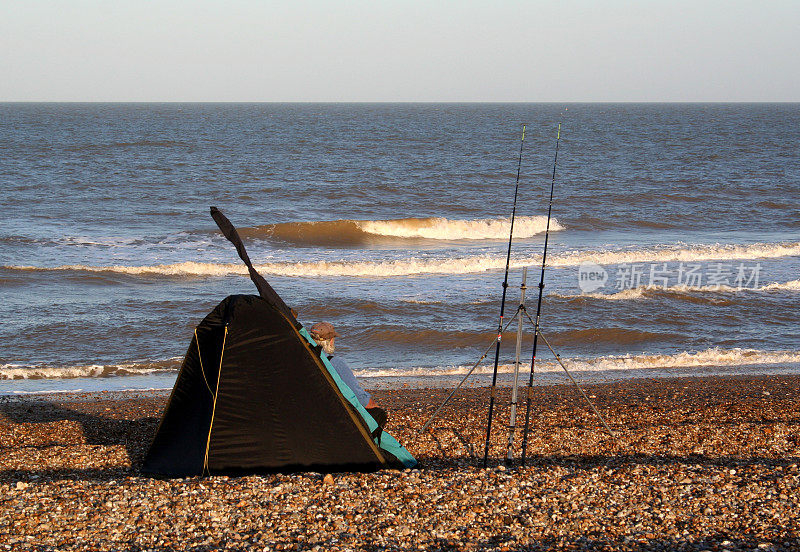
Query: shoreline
x=698 y=464
x=482 y=378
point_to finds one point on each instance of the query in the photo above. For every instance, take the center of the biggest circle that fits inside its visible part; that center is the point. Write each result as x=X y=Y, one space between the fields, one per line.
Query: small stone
x=328 y=479
x=21 y=485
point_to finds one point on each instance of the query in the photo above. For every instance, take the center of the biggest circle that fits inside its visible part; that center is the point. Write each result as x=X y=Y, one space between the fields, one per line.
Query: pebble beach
x=695 y=464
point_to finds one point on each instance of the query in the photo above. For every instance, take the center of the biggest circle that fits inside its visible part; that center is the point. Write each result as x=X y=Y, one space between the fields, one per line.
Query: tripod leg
x=468 y=374
x=579 y=388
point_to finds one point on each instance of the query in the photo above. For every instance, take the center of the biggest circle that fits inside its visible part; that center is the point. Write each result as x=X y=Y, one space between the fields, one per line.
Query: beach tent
x=256 y=394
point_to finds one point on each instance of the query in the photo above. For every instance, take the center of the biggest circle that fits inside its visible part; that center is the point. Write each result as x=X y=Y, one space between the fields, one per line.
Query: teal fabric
x=387 y=442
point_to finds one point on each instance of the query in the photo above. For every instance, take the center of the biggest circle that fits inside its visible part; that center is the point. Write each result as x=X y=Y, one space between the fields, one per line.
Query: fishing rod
x=502 y=307
x=539 y=302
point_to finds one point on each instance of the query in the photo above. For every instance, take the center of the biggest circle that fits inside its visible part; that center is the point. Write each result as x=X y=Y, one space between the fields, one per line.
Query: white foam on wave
x=40 y=371
x=447 y=229
x=793 y=285
x=183 y=240
x=713 y=357
x=453 y=265
x=645 y=291
x=48 y=392
x=707 y=358
x=414 y=301
x=93 y=391
x=50 y=372
x=188 y=268
x=98 y=241
x=681 y=253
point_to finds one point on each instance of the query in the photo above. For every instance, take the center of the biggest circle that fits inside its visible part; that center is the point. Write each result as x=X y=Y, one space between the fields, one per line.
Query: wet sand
x=697 y=464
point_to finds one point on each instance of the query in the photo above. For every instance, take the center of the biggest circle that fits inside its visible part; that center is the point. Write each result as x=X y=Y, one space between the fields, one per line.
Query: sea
x=673 y=250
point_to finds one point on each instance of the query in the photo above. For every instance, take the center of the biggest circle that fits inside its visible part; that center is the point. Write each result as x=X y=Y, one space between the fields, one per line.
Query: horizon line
x=372 y=102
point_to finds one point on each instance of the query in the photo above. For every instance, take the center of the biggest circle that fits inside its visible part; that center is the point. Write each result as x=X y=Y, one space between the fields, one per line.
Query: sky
x=405 y=51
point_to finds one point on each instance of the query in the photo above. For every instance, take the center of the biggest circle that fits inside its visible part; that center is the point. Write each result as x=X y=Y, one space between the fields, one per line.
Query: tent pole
x=513 y=420
x=206 y=470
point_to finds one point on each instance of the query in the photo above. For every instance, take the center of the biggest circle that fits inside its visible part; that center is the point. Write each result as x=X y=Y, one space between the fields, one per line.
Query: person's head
x=324 y=334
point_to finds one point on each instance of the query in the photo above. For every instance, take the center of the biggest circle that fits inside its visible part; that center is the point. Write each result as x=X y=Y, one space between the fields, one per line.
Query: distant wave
x=658 y=225
x=646 y=291
x=453 y=265
x=69 y=240
x=430 y=339
x=355 y=232
x=136 y=144
x=414 y=301
x=707 y=358
x=181 y=239
x=441 y=339
x=614 y=336
x=38 y=371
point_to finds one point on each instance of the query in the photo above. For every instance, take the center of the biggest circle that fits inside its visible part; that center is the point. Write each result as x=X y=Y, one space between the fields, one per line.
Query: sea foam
x=707 y=358
x=714 y=356
x=42 y=371
x=452 y=265
x=446 y=229
x=641 y=292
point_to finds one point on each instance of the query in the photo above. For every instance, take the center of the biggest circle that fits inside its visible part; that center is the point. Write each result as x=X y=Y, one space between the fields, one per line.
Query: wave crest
x=360 y=232
x=682 y=253
x=453 y=265
x=641 y=292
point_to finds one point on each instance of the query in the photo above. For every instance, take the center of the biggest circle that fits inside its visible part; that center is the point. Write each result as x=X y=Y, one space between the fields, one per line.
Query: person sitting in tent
x=325 y=335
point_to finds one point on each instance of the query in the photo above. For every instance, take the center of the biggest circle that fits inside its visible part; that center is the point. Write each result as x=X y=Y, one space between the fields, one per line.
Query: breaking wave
x=646 y=291
x=681 y=253
x=794 y=285
x=19 y=371
x=355 y=232
x=708 y=358
x=181 y=239
x=453 y=265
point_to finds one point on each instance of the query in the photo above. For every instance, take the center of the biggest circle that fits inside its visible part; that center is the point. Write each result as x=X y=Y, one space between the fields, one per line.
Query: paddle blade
x=264 y=289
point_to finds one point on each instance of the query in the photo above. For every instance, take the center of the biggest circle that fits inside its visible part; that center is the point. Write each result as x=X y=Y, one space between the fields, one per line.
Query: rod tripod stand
x=518 y=315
